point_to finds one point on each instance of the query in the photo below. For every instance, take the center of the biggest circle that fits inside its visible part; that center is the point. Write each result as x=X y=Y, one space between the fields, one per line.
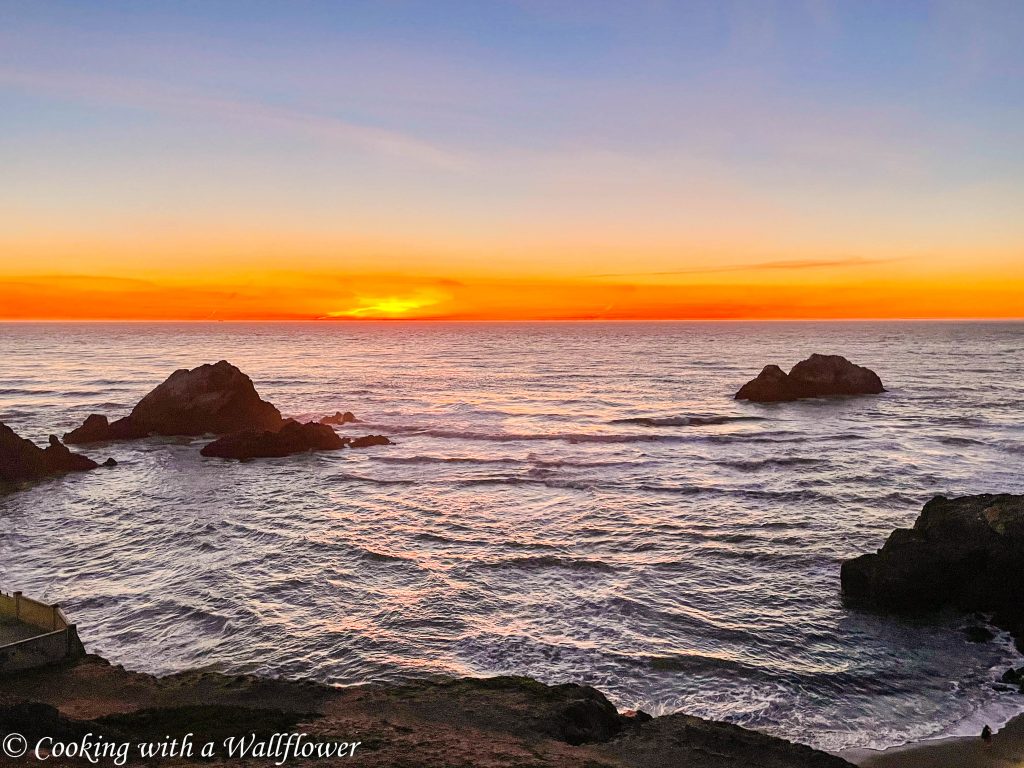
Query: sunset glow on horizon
x=511 y=161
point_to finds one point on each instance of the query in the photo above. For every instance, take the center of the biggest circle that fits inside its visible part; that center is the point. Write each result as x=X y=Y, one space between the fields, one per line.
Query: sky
x=531 y=159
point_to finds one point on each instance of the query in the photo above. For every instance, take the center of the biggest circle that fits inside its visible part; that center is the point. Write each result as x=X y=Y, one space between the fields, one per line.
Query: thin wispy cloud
x=784 y=264
x=154 y=96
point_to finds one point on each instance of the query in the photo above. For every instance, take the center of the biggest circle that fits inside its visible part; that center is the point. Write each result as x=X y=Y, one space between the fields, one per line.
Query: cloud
x=148 y=95
x=786 y=264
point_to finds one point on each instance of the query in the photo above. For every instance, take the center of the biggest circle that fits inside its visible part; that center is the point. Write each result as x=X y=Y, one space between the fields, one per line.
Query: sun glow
x=385 y=306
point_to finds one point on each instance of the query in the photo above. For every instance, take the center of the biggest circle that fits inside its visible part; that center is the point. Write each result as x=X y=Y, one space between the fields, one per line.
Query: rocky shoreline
x=512 y=722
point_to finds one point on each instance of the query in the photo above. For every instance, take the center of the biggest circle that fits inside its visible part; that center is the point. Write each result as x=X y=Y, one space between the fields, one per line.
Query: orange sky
x=513 y=160
x=775 y=292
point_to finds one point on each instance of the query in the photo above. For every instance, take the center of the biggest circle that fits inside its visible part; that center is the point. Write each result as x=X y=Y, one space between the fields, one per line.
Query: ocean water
x=576 y=502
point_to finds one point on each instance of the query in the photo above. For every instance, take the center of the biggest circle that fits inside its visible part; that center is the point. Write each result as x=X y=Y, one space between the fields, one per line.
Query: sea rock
x=216 y=399
x=368 y=441
x=339 y=418
x=292 y=438
x=817 y=376
x=21 y=459
x=966 y=552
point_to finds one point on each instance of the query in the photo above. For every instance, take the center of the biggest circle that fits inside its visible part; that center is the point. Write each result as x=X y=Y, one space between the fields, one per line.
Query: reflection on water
x=574 y=502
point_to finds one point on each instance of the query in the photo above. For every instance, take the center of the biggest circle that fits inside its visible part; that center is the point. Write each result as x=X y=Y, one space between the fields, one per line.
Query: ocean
x=575 y=502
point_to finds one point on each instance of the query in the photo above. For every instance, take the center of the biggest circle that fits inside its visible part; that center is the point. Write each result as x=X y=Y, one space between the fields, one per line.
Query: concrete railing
x=57 y=639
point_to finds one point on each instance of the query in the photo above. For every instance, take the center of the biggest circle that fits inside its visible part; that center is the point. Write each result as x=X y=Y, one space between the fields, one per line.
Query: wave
x=960 y=441
x=536 y=462
x=345 y=477
x=683 y=421
x=783 y=461
x=550 y=561
x=516 y=437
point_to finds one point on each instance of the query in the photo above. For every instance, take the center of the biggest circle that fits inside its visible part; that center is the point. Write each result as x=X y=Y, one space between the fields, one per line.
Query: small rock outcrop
x=967 y=553
x=292 y=438
x=817 y=376
x=215 y=399
x=21 y=459
x=368 y=441
x=340 y=418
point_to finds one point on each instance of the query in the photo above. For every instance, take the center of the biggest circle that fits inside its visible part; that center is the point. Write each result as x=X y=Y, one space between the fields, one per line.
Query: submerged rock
x=292 y=438
x=215 y=399
x=340 y=418
x=967 y=553
x=21 y=459
x=817 y=376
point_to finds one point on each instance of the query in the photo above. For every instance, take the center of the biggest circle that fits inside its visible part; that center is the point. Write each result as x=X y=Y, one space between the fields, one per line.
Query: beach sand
x=1005 y=750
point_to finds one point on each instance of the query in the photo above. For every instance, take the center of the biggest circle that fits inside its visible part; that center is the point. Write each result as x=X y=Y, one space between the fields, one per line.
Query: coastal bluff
x=499 y=722
x=966 y=553
x=817 y=376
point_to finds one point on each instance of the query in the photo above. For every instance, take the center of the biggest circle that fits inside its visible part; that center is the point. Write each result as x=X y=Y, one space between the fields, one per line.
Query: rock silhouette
x=817 y=376
x=967 y=553
x=21 y=459
x=215 y=399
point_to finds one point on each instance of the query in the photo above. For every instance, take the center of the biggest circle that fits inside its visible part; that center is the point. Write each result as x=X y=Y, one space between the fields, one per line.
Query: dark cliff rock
x=817 y=376
x=292 y=438
x=21 y=459
x=967 y=553
x=340 y=418
x=215 y=399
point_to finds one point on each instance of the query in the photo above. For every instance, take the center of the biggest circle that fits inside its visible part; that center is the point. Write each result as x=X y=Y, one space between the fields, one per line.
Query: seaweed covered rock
x=817 y=376
x=210 y=399
x=21 y=459
x=966 y=552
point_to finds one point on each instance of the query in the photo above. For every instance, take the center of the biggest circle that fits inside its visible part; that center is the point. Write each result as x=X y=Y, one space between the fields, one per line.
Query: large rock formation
x=817 y=376
x=966 y=552
x=21 y=459
x=213 y=399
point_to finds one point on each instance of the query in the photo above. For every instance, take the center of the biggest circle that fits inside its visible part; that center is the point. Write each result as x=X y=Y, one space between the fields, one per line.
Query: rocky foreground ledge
x=506 y=722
